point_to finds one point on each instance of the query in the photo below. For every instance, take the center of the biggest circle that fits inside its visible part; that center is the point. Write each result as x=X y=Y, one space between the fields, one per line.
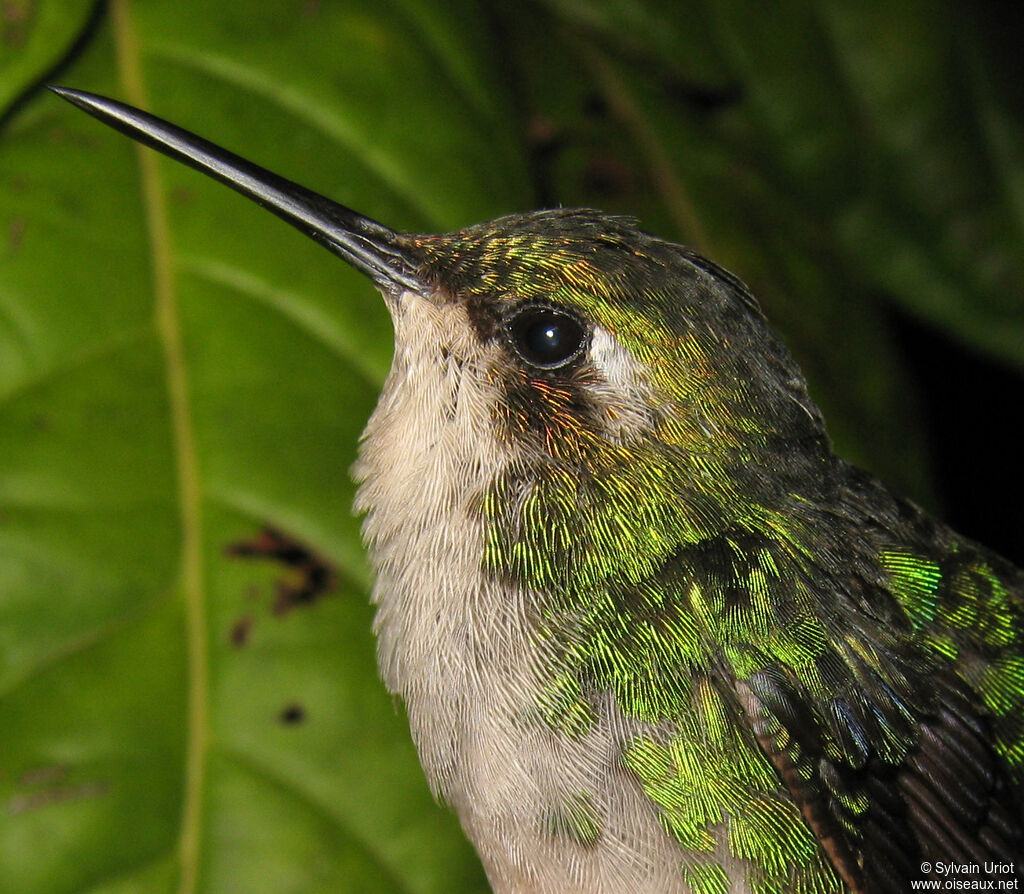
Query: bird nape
x=651 y=633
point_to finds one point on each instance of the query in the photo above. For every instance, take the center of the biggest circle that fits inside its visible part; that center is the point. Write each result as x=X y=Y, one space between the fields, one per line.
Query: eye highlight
x=545 y=336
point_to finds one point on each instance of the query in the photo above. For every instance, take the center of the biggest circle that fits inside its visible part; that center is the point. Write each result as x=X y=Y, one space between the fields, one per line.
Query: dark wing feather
x=949 y=799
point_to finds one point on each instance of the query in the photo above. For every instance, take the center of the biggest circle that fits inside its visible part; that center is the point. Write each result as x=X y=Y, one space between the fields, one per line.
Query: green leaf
x=902 y=146
x=180 y=376
x=35 y=37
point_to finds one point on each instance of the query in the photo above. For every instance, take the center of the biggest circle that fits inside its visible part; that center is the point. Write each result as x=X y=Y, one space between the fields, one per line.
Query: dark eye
x=546 y=337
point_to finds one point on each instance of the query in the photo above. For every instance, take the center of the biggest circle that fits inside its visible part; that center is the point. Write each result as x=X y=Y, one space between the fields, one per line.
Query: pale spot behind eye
x=615 y=361
x=626 y=394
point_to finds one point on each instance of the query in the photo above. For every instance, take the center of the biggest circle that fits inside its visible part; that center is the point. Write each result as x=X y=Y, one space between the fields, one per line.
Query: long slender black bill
x=367 y=245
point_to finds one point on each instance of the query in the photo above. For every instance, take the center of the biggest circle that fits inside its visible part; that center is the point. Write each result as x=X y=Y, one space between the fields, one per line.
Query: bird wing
x=882 y=822
x=908 y=760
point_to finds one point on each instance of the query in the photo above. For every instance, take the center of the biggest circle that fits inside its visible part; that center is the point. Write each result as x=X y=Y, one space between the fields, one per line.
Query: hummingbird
x=651 y=633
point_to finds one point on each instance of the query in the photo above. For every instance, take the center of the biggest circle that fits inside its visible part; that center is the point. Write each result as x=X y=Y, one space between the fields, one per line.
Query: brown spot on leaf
x=16 y=234
x=182 y=195
x=14 y=21
x=306 y=577
x=240 y=631
x=27 y=801
x=292 y=714
x=47 y=785
x=43 y=775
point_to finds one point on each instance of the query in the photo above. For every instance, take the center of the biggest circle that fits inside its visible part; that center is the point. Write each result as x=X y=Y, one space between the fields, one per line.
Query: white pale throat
x=458 y=646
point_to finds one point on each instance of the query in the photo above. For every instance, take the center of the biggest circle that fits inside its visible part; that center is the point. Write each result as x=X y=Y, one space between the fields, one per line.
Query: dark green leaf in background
x=188 y=696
